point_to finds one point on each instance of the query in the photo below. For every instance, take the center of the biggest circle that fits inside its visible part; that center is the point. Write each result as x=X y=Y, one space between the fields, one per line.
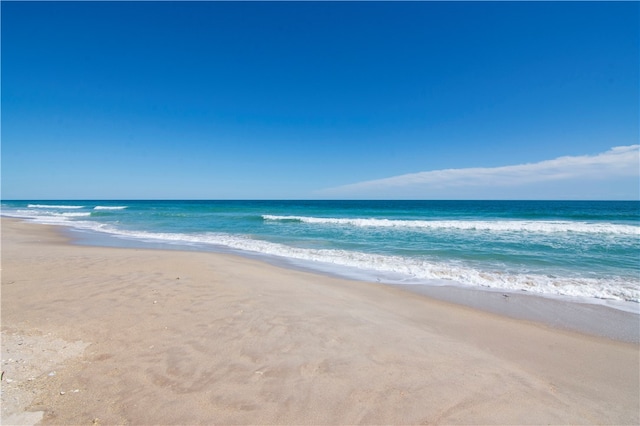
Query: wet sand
x=138 y=336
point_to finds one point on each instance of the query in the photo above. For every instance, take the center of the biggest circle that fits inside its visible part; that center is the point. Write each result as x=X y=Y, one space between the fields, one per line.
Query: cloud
x=550 y=176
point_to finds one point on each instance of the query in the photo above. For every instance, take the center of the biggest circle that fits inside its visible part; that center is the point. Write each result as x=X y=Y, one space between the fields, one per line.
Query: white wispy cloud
x=618 y=162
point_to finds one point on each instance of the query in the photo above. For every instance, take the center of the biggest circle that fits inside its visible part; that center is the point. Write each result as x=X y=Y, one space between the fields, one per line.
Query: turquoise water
x=584 y=249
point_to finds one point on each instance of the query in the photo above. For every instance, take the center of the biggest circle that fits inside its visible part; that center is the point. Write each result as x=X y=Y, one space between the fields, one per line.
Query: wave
x=110 y=207
x=74 y=214
x=471 y=225
x=46 y=217
x=47 y=206
x=401 y=269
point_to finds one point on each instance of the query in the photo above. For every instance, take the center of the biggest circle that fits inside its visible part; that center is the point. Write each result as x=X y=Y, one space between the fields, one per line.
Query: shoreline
x=562 y=251
x=192 y=337
x=591 y=317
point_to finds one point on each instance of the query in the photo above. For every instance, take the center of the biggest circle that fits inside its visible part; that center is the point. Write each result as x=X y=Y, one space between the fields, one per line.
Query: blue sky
x=227 y=100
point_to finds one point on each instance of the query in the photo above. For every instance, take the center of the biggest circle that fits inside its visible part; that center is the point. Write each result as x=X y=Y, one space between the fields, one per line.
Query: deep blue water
x=586 y=249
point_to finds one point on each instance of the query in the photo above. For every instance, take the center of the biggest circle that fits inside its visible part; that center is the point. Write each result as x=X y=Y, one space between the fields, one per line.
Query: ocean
x=587 y=251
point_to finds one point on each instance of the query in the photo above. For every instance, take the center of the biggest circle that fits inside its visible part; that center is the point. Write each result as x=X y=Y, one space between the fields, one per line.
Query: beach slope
x=129 y=336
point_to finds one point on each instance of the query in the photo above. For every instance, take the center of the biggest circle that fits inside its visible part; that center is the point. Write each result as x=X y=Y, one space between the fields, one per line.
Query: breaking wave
x=47 y=206
x=415 y=269
x=471 y=225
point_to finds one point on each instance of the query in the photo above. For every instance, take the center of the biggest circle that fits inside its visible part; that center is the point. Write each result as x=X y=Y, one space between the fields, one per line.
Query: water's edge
x=575 y=315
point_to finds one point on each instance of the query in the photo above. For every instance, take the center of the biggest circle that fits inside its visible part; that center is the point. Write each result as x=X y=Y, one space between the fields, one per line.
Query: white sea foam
x=110 y=207
x=47 y=206
x=417 y=270
x=472 y=225
x=46 y=217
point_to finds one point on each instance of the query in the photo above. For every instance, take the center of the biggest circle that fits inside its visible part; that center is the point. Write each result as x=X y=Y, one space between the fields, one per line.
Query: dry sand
x=167 y=337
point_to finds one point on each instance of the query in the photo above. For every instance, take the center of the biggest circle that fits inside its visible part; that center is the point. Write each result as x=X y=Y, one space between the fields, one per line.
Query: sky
x=316 y=100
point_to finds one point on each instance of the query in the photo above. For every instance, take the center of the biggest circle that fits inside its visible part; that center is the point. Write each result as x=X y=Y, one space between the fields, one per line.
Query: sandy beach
x=94 y=335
